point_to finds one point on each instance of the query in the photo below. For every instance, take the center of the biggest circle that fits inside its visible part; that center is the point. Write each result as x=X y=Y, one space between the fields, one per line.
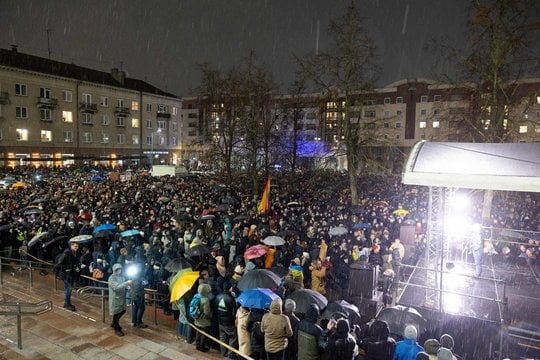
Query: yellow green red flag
x=264 y=204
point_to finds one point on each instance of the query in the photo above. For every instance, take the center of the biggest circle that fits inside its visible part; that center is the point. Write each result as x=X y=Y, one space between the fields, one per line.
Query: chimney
x=118 y=75
x=13 y=48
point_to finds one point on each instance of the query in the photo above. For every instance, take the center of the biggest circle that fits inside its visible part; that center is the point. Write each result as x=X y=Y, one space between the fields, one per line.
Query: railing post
x=19 y=332
x=103 y=305
x=155 y=307
x=30 y=272
x=1 y=272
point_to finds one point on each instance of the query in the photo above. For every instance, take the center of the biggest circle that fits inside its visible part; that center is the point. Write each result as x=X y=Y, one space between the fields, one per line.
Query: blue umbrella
x=257 y=298
x=132 y=232
x=97 y=179
x=361 y=226
x=105 y=227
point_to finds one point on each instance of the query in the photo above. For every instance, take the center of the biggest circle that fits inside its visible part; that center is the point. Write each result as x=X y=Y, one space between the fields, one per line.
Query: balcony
x=4 y=98
x=122 y=111
x=47 y=103
x=88 y=108
x=163 y=114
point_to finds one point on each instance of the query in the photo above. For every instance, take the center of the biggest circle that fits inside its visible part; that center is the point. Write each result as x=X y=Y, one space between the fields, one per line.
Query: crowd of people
x=150 y=223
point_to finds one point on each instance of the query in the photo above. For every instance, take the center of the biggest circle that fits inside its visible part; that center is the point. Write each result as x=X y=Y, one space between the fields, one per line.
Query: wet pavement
x=62 y=334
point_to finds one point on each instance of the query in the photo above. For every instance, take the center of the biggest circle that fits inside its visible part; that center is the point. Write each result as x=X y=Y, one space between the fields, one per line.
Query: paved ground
x=61 y=334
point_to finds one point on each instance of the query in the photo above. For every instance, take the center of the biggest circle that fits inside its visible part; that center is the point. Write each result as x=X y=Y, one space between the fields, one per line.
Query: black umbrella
x=280 y=271
x=305 y=297
x=118 y=205
x=223 y=207
x=259 y=278
x=198 y=250
x=179 y=263
x=229 y=200
x=70 y=209
x=240 y=218
x=56 y=239
x=341 y=306
x=399 y=316
x=33 y=211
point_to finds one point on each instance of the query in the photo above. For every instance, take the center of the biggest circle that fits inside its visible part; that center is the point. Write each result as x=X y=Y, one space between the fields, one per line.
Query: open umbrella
x=81 y=239
x=38 y=201
x=274 y=240
x=337 y=231
x=198 y=250
x=179 y=263
x=280 y=271
x=343 y=307
x=104 y=227
x=56 y=239
x=163 y=199
x=183 y=284
x=33 y=211
x=360 y=226
x=257 y=298
x=305 y=297
x=400 y=212
x=117 y=205
x=255 y=252
x=96 y=179
x=399 y=316
x=259 y=278
x=36 y=238
x=208 y=217
x=18 y=184
x=293 y=204
x=69 y=209
x=132 y=232
x=239 y=218
x=229 y=200
x=223 y=207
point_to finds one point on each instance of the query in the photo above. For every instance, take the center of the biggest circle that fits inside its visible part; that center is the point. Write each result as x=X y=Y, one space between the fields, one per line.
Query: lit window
x=67 y=95
x=422 y=125
x=436 y=124
x=436 y=97
x=135 y=139
x=387 y=100
x=120 y=138
x=105 y=120
x=331 y=105
x=423 y=98
x=523 y=129
x=537 y=129
x=68 y=136
x=103 y=101
x=135 y=105
x=134 y=123
x=67 y=116
x=22 y=134
x=104 y=138
x=538 y=99
x=20 y=89
x=21 y=112
x=399 y=100
x=46 y=135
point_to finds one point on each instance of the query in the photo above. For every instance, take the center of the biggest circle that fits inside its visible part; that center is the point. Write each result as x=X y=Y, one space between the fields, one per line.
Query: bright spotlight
x=460 y=202
x=131 y=271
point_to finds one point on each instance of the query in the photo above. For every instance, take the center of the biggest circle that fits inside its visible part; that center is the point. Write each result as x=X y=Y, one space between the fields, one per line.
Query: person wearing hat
x=431 y=346
x=117 y=297
x=408 y=347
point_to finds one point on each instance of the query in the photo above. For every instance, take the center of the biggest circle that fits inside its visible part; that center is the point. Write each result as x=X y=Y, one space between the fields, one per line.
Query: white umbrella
x=36 y=238
x=274 y=240
x=338 y=230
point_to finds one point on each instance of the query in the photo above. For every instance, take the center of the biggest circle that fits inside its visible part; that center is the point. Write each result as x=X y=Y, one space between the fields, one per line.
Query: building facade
x=58 y=114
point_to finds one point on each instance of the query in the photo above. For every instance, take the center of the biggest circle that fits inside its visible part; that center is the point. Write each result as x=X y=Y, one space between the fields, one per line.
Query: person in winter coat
x=69 y=267
x=408 y=348
x=205 y=320
x=341 y=344
x=309 y=335
x=226 y=311
x=257 y=337
x=276 y=328
x=318 y=274
x=378 y=345
x=117 y=297
x=244 y=341
x=288 y=309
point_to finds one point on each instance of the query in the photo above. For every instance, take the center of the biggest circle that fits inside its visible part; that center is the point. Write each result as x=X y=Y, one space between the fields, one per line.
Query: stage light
x=452 y=303
x=131 y=271
x=460 y=202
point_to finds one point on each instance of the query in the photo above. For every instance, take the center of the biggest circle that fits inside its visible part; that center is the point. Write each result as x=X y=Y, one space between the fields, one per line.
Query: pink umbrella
x=254 y=252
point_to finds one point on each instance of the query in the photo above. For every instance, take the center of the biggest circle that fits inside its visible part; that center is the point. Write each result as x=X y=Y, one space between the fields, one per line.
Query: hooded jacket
x=378 y=345
x=276 y=328
x=341 y=344
x=244 y=338
x=309 y=334
x=206 y=318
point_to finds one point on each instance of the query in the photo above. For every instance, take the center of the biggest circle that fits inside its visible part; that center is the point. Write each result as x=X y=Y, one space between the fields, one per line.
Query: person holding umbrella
x=117 y=297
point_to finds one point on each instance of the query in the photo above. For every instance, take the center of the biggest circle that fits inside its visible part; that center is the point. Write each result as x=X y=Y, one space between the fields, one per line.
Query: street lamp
x=153 y=154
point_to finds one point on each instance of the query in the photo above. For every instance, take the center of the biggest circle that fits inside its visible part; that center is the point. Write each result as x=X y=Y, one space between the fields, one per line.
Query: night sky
x=162 y=41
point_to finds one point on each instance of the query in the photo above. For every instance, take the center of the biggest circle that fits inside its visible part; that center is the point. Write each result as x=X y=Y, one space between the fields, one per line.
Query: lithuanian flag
x=264 y=204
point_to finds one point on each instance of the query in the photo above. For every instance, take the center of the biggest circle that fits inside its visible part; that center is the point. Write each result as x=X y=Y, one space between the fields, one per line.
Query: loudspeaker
x=363 y=281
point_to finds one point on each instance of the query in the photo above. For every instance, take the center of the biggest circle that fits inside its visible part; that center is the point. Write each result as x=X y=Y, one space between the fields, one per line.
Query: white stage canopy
x=506 y=166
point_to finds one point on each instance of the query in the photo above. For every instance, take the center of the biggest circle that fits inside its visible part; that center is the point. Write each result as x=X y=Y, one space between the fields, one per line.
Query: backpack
x=195 y=309
x=58 y=269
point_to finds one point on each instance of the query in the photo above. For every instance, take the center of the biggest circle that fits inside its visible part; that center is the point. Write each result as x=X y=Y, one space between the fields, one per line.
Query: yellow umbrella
x=18 y=184
x=183 y=284
x=400 y=212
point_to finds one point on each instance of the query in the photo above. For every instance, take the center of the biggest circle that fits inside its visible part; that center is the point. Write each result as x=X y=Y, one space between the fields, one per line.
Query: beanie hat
x=410 y=332
x=431 y=346
x=422 y=356
x=447 y=341
x=444 y=354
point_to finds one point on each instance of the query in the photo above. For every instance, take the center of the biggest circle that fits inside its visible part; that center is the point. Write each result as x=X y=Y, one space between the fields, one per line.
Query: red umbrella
x=254 y=252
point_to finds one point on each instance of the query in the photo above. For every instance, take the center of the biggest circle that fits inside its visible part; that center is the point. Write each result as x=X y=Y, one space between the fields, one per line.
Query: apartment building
x=54 y=113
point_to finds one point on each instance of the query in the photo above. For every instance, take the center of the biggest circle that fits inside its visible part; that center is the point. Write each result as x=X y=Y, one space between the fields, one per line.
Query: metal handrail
x=39 y=307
